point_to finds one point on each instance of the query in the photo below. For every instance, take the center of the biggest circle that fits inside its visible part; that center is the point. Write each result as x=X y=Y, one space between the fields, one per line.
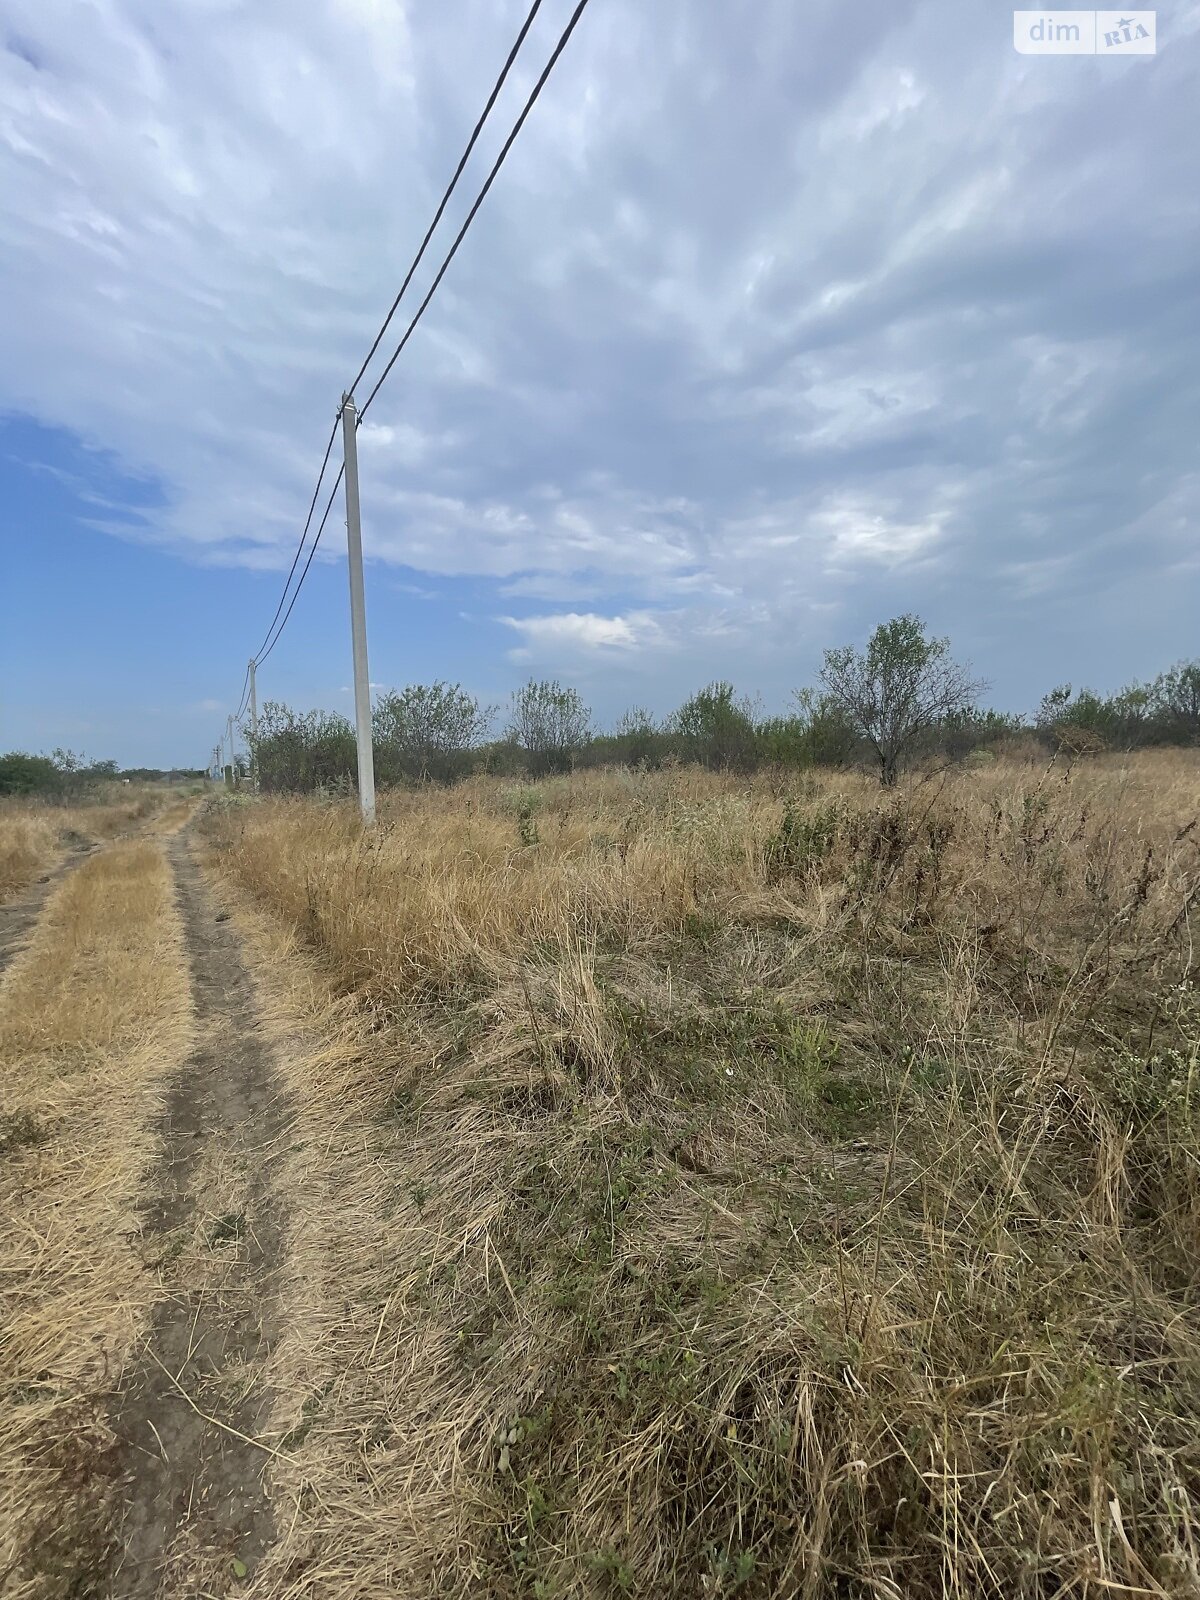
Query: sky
x=779 y=320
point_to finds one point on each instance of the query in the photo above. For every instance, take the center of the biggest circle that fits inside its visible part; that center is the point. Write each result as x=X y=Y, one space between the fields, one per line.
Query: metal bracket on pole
x=358 y=615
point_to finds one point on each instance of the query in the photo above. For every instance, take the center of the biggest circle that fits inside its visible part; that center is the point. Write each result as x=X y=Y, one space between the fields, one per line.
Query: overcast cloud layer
x=780 y=319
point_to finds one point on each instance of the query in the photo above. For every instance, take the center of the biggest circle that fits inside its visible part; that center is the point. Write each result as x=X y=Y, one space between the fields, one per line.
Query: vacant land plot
x=703 y=1187
x=652 y=1184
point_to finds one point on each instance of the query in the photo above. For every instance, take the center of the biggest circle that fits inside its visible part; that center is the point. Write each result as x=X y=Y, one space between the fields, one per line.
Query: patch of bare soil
x=192 y=1402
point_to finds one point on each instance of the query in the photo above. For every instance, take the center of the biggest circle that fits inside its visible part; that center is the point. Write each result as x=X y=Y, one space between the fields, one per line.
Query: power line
x=304 y=535
x=458 y=171
x=304 y=574
x=480 y=198
x=267 y=644
x=278 y=621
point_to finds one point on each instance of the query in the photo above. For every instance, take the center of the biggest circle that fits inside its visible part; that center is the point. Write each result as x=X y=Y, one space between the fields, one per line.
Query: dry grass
x=34 y=837
x=93 y=1016
x=29 y=845
x=707 y=1187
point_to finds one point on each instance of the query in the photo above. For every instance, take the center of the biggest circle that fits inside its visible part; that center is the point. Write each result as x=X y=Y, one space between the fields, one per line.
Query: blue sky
x=780 y=320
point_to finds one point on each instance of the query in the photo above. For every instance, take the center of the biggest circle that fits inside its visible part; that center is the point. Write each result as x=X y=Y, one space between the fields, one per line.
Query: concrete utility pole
x=216 y=763
x=358 y=616
x=253 y=730
x=231 y=775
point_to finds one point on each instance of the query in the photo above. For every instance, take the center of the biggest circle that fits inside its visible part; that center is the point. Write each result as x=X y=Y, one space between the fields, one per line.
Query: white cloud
x=756 y=324
x=565 y=632
x=858 y=530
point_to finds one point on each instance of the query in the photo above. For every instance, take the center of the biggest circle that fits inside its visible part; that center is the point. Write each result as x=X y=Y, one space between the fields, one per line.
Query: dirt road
x=141 y=1124
x=192 y=1402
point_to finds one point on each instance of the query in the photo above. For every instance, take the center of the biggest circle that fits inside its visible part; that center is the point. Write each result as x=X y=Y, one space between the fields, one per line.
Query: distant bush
x=426 y=732
x=826 y=736
x=60 y=776
x=549 y=724
x=716 y=729
x=1166 y=711
x=161 y=774
x=971 y=729
x=24 y=774
x=637 y=740
x=297 y=752
x=1175 y=696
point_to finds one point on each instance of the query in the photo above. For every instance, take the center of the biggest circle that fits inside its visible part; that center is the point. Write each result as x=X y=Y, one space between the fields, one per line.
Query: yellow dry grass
x=29 y=845
x=708 y=1187
x=94 y=1015
x=34 y=837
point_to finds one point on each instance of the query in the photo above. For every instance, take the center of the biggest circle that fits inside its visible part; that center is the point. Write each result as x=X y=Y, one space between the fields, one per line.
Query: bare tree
x=897 y=689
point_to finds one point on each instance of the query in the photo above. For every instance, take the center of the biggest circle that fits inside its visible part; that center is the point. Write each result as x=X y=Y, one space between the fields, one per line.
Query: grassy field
x=705 y=1186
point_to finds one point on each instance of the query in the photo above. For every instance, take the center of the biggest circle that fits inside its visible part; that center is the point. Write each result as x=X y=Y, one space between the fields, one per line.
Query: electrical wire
x=458 y=172
x=258 y=654
x=265 y=647
x=278 y=622
x=304 y=574
x=479 y=199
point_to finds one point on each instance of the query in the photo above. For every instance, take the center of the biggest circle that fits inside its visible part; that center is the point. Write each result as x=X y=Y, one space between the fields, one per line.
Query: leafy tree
x=1175 y=701
x=1053 y=708
x=897 y=689
x=62 y=775
x=426 y=731
x=298 y=752
x=1089 y=722
x=782 y=742
x=716 y=728
x=830 y=738
x=549 y=724
x=638 y=739
x=25 y=774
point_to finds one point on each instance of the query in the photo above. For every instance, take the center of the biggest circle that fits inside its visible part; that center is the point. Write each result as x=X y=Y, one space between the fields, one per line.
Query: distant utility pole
x=253 y=729
x=215 y=770
x=229 y=733
x=358 y=616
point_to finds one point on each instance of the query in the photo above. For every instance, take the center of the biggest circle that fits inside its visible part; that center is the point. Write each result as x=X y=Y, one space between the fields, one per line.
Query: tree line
x=67 y=777
x=60 y=776
x=902 y=699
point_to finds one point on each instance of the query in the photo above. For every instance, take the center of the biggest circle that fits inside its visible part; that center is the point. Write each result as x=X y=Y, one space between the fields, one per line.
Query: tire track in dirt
x=19 y=916
x=196 y=1516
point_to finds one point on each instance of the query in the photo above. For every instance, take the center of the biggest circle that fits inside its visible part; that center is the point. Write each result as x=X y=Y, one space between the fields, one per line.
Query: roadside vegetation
x=712 y=1183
